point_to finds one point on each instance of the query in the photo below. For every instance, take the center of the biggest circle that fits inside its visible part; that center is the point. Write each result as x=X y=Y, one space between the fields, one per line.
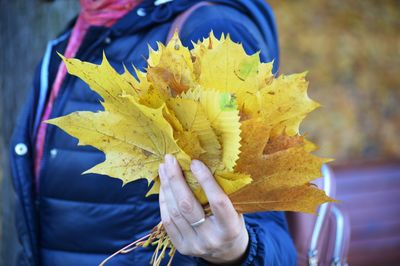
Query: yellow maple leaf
x=170 y=67
x=279 y=165
x=283 y=102
x=193 y=118
x=134 y=138
x=303 y=198
x=103 y=78
x=221 y=110
x=223 y=65
x=263 y=154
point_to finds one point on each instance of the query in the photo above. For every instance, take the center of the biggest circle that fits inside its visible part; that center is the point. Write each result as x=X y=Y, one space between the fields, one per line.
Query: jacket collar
x=147 y=13
x=150 y=12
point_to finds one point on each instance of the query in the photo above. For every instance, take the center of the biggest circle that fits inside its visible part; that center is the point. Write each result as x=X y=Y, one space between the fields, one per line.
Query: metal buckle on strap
x=313 y=257
x=336 y=262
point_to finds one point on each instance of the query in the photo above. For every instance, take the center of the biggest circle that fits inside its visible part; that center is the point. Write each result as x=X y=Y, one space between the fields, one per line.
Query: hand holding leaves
x=213 y=103
x=222 y=237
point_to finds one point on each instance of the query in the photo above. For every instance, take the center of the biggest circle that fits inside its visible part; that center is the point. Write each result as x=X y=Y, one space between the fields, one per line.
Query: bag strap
x=182 y=18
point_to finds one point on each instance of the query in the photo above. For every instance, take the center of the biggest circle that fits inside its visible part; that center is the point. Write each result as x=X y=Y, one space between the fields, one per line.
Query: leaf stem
x=159 y=238
x=123 y=250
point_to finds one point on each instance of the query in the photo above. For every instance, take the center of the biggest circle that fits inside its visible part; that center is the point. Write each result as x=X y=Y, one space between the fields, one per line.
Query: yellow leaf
x=134 y=137
x=281 y=167
x=193 y=119
x=155 y=187
x=101 y=78
x=155 y=55
x=171 y=67
x=189 y=142
x=186 y=137
x=283 y=103
x=221 y=111
x=232 y=182
x=141 y=81
x=286 y=156
x=304 y=198
x=224 y=66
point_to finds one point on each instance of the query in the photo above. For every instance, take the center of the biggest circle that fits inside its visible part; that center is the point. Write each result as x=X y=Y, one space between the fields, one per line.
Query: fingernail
x=196 y=165
x=169 y=159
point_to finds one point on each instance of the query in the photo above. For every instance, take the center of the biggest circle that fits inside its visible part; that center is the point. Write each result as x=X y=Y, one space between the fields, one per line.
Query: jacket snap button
x=107 y=40
x=21 y=149
x=141 y=12
x=53 y=153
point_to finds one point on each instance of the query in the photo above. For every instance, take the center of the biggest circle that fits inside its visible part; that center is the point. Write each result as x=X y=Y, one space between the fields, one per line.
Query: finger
x=220 y=204
x=181 y=223
x=188 y=206
x=169 y=225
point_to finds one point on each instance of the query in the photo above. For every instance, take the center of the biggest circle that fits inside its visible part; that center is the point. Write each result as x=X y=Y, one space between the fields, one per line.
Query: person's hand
x=221 y=238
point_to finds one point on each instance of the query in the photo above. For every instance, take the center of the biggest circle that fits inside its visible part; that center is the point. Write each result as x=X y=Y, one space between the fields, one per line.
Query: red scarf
x=92 y=13
x=105 y=12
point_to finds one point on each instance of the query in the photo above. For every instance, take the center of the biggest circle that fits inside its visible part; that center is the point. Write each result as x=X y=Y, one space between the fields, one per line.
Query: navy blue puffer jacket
x=81 y=219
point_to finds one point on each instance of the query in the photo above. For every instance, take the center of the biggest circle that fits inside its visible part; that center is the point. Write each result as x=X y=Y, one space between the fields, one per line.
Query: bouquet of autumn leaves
x=213 y=103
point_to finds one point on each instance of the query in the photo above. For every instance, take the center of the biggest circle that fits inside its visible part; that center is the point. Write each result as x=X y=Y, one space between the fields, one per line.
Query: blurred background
x=352 y=52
